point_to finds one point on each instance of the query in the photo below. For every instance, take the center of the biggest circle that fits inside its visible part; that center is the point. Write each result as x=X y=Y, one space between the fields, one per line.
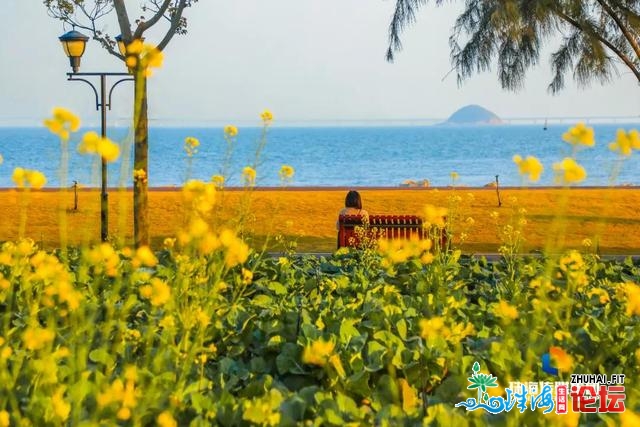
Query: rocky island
x=473 y=115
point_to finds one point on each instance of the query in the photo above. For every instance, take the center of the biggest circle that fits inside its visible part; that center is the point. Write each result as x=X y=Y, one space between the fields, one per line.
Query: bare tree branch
x=176 y=22
x=145 y=25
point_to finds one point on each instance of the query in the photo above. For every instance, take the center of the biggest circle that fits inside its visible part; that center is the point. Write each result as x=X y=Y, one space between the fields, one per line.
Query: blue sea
x=329 y=156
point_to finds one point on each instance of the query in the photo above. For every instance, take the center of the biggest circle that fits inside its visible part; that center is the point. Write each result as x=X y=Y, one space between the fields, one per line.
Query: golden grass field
x=607 y=216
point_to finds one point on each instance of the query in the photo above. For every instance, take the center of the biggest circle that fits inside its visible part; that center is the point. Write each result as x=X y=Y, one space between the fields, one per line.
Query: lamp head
x=74 y=43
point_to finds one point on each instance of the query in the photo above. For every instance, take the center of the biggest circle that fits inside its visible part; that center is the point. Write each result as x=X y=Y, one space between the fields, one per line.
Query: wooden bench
x=391 y=227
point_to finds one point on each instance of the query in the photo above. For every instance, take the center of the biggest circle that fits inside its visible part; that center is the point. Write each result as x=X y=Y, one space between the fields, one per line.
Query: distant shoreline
x=345 y=188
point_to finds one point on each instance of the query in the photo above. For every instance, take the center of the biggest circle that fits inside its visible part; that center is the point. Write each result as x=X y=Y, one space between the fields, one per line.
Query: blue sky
x=309 y=61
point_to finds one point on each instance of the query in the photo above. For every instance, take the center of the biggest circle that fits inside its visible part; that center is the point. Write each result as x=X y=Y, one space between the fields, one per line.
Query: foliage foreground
x=207 y=332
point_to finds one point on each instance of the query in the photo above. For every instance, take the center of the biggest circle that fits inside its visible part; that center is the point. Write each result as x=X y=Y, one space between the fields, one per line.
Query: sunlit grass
x=309 y=216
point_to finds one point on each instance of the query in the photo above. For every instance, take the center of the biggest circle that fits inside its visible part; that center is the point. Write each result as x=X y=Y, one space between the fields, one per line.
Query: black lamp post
x=74 y=44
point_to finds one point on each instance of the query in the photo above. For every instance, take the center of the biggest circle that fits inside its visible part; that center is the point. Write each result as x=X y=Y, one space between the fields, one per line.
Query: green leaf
x=348 y=331
x=401 y=325
x=101 y=355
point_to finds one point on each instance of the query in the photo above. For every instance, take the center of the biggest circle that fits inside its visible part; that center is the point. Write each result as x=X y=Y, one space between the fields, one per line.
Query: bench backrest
x=380 y=226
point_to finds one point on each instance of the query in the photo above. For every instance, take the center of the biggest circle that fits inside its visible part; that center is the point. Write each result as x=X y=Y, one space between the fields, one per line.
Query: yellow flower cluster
x=48 y=269
x=218 y=181
x=144 y=256
x=139 y=176
x=92 y=143
x=191 y=145
x=230 y=131
x=568 y=171
x=61 y=407
x=247 y=276
x=625 y=142
x=249 y=176
x=530 y=167
x=237 y=251
x=199 y=197
x=104 y=259
x=267 y=117
x=142 y=56
x=286 y=172
x=1 y=159
x=158 y=292
x=435 y=327
x=580 y=135
x=263 y=411
x=573 y=266
x=632 y=292
x=318 y=352
x=505 y=311
x=123 y=393
x=165 y=419
x=62 y=123
x=28 y=178
x=603 y=295
x=200 y=237
x=399 y=251
x=36 y=338
x=434 y=215
x=5 y=351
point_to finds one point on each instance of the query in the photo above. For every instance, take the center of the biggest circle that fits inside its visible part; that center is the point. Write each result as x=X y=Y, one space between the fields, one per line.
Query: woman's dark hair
x=353 y=200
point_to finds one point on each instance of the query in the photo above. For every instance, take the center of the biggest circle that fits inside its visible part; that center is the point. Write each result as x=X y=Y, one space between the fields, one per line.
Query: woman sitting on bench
x=353 y=205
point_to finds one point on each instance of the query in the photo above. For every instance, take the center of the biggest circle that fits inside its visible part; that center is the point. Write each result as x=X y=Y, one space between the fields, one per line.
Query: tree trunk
x=141 y=162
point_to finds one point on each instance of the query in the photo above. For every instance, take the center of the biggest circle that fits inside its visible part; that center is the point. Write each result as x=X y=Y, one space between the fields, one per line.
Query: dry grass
x=606 y=216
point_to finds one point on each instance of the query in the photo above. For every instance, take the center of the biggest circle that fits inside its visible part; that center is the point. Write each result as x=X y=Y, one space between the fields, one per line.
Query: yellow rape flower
x=568 y=171
x=434 y=215
x=531 y=168
x=249 y=176
x=561 y=335
x=563 y=361
x=165 y=419
x=92 y=143
x=1 y=159
x=237 y=251
x=432 y=328
x=62 y=123
x=632 y=292
x=318 y=352
x=144 y=257
x=286 y=172
x=5 y=419
x=247 y=276
x=629 y=418
x=143 y=56
x=230 y=131
x=572 y=261
x=158 y=292
x=28 y=178
x=61 y=407
x=123 y=413
x=580 y=135
x=35 y=338
x=191 y=145
x=625 y=142
x=603 y=296
x=200 y=195
x=218 y=181
x=266 y=116
x=505 y=311
x=139 y=176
